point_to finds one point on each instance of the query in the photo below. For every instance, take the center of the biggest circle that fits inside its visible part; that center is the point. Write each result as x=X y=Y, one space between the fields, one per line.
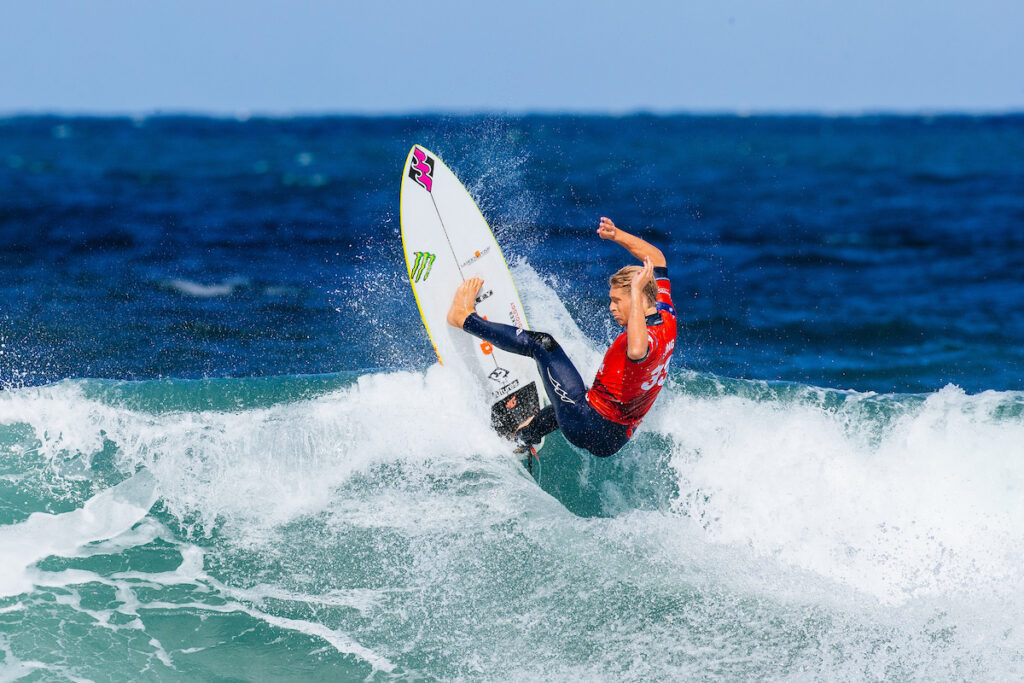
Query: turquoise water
x=311 y=528
x=227 y=453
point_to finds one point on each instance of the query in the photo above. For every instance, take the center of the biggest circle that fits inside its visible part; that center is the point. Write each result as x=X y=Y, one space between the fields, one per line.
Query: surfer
x=601 y=419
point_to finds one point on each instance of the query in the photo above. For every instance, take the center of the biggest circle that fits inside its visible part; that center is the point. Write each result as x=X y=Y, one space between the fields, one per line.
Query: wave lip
x=900 y=497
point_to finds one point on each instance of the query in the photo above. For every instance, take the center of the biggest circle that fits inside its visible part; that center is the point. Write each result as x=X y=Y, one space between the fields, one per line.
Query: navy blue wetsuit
x=569 y=411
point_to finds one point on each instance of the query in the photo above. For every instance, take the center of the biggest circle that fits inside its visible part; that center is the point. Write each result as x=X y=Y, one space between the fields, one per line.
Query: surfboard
x=447 y=241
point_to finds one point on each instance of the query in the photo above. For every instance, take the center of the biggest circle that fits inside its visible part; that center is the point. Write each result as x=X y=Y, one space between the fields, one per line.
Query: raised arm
x=636 y=246
x=636 y=325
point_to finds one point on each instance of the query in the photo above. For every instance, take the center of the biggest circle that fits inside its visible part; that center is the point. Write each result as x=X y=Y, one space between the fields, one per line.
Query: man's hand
x=631 y=243
x=637 y=345
x=607 y=229
x=640 y=278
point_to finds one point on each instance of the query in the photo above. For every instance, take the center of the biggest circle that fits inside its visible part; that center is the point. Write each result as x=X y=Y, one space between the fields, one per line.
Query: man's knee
x=546 y=341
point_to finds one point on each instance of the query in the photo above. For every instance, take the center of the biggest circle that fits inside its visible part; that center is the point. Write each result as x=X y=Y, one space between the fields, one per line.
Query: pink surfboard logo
x=422 y=168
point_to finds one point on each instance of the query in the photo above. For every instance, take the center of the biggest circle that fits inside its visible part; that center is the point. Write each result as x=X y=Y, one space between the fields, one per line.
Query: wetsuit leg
x=562 y=381
x=566 y=391
x=594 y=433
x=506 y=337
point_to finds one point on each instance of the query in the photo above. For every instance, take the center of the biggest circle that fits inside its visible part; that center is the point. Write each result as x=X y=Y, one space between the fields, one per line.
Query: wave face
x=369 y=525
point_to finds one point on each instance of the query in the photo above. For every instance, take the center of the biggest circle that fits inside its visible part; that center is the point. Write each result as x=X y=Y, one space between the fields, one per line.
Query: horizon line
x=243 y=114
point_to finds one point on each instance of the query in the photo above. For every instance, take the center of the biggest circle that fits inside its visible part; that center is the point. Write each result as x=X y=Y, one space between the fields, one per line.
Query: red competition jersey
x=624 y=390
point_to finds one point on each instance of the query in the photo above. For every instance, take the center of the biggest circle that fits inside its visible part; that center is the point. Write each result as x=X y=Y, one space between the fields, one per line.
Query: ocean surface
x=227 y=452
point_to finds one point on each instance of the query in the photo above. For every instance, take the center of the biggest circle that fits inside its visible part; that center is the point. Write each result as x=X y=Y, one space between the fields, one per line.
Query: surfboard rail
x=446 y=240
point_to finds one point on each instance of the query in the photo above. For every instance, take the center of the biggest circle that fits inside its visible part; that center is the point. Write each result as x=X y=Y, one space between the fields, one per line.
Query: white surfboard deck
x=447 y=241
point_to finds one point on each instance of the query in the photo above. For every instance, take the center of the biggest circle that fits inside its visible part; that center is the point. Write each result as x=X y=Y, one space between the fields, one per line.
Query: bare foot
x=464 y=302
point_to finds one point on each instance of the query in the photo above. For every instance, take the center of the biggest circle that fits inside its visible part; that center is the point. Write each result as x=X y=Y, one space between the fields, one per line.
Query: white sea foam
x=927 y=505
x=922 y=503
x=13 y=668
x=547 y=313
x=107 y=514
x=289 y=457
x=890 y=529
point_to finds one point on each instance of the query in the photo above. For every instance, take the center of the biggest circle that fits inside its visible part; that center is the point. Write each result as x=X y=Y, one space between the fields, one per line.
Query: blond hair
x=624 y=278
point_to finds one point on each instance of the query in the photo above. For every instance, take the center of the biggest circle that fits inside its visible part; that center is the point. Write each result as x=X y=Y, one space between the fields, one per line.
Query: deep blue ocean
x=227 y=452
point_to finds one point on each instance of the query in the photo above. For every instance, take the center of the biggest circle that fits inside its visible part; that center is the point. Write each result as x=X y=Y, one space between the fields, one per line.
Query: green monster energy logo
x=421 y=266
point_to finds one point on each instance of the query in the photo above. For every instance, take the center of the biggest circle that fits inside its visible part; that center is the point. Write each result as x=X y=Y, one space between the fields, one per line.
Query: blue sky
x=310 y=56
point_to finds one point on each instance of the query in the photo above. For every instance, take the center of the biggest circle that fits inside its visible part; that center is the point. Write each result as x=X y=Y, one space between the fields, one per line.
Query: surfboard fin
x=532 y=460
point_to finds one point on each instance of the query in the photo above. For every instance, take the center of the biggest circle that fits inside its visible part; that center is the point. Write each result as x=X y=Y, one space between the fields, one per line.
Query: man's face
x=620 y=304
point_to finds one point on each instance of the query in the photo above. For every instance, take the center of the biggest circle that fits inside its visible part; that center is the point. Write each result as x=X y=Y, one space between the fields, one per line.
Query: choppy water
x=226 y=453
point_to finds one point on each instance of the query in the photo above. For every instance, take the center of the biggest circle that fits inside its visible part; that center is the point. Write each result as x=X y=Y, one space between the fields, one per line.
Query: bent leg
x=505 y=337
x=581 y=425
x=569 y=410
x=463 y=315
x=516 y=340
x=562 y=382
